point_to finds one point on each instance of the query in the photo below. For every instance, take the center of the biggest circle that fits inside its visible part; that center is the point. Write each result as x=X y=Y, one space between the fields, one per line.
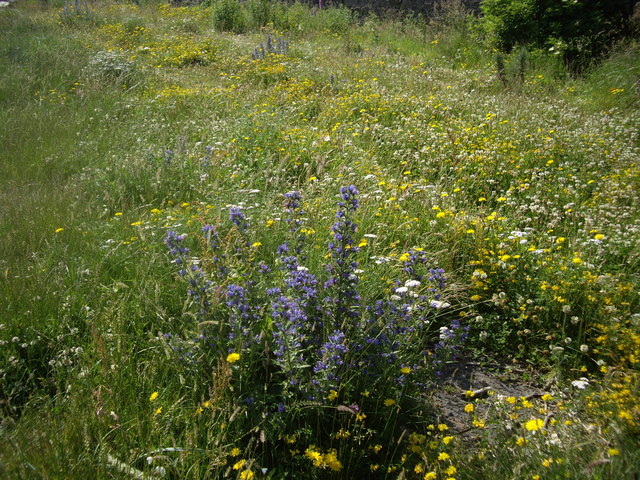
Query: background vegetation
x=254 y=240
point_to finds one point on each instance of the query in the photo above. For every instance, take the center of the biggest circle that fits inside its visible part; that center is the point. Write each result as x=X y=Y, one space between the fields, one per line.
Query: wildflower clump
x=312 y=345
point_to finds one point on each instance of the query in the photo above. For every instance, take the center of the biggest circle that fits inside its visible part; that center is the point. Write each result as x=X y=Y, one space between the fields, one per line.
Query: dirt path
x=460 y=377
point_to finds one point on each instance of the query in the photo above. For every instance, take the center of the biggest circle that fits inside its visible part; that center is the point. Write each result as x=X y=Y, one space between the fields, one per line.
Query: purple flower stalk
x=332 y=357
x=238 y=218
x=199 y=284
x=241 y=315
x=343 y=278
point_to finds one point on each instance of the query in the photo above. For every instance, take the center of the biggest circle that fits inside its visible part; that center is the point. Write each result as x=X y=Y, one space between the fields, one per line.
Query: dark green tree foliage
x=579 y=30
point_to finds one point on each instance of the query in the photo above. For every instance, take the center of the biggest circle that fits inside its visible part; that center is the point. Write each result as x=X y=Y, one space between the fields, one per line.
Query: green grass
x=131 y=121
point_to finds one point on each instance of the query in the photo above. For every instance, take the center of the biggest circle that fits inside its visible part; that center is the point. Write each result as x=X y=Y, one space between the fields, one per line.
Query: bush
x=229 y=16
x=578 y=31
x=510 y=23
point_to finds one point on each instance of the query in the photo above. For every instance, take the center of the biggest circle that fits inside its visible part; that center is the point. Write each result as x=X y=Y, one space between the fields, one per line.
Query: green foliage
x=229 y=16
x=580 y=32
x=510 y=23
x=265 y=12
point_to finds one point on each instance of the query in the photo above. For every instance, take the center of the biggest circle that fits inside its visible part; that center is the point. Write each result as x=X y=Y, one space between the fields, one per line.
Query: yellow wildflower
x=331 y=460
x=534 y=424
x=233 y=357
x=314 y=456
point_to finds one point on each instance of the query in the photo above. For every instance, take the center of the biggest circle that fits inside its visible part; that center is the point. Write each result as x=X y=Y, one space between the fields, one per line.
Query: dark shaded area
x=581 y=32
x=384 y=6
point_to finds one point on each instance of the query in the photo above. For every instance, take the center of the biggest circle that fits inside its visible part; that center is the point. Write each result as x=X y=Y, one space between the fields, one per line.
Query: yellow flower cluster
x=327 y=460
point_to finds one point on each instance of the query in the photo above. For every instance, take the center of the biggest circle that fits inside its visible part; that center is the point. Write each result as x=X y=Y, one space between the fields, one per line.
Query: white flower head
x=581 y=384
x=440 y=305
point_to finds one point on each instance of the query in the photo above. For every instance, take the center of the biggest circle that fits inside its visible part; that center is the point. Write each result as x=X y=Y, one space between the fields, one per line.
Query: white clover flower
x=401 y=290
x=581 y=384
x=444 y=333
x=412 y=283
x=584 y=348
x=440 y=305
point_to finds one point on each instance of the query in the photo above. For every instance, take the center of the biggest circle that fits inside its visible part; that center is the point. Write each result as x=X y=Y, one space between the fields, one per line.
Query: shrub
x=229 y=16
x=578 y=31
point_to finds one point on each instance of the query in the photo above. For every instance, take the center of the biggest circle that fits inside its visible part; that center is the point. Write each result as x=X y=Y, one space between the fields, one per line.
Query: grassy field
x=251 y=240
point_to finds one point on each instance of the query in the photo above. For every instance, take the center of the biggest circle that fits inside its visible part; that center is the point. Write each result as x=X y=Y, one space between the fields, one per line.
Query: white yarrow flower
x=439 y=305
x=581 y=384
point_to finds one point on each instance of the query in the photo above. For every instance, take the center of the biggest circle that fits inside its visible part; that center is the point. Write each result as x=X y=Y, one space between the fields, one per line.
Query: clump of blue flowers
x=303 y=340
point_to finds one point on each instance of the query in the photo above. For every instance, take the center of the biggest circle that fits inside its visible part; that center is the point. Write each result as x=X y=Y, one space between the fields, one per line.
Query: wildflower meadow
x=269 y=240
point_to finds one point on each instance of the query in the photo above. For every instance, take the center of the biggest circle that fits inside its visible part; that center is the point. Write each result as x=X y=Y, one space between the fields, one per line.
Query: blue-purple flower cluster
x=343 y=303
x=314 y=337
x=199 y=283
x=332 y=357
x=238 y=218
